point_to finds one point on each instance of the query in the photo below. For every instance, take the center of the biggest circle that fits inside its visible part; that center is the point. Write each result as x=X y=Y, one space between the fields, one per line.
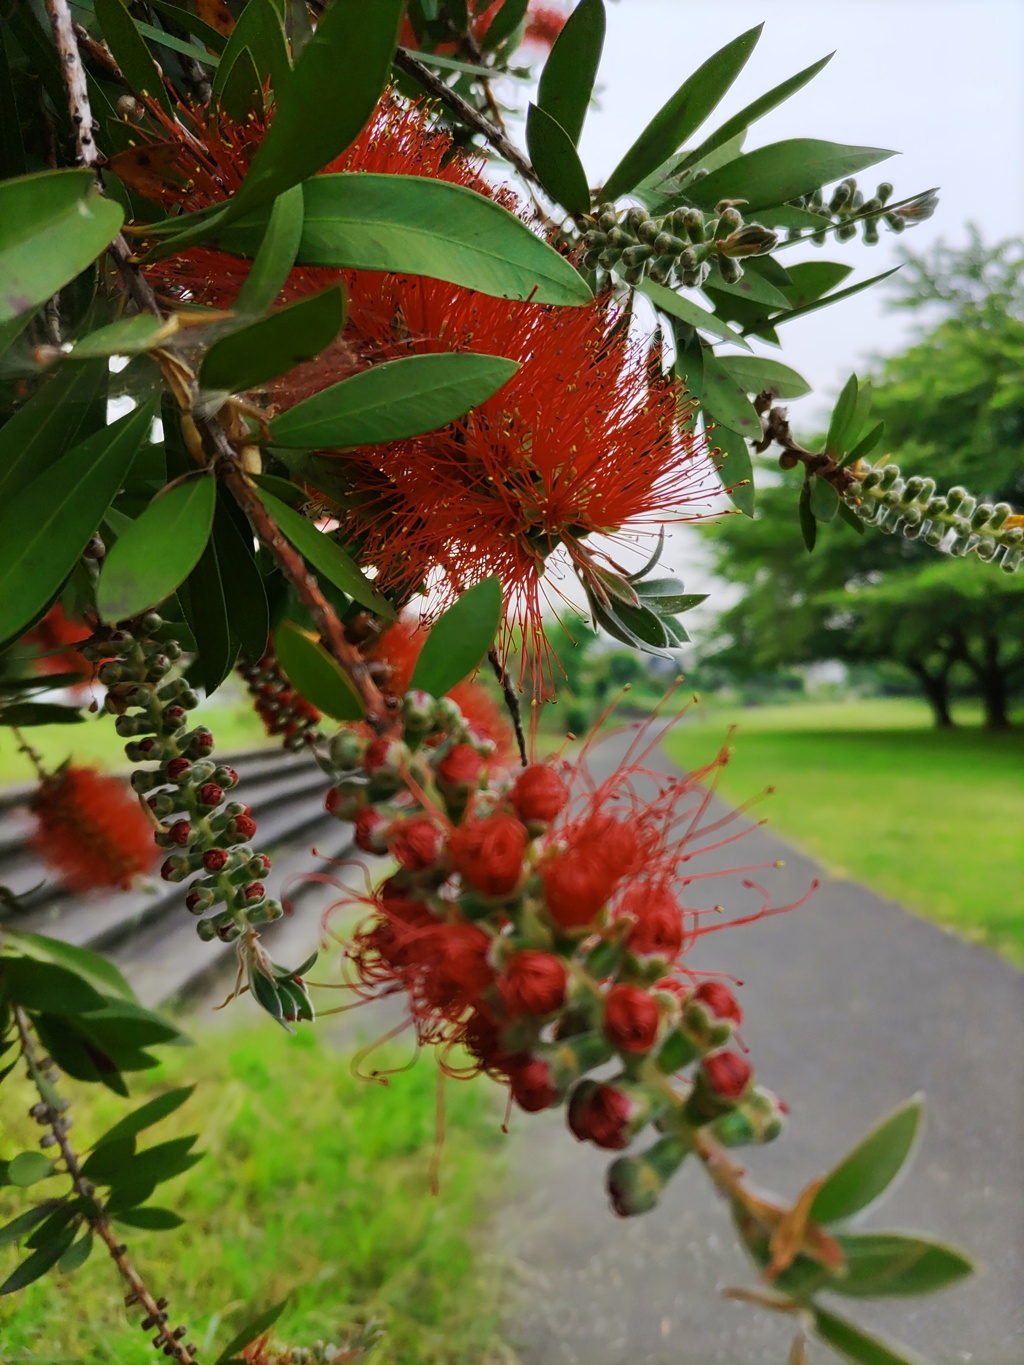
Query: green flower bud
x=636 y=1183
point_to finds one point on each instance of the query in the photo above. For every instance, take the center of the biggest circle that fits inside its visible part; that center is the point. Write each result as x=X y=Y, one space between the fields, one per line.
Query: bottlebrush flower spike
x=54 y=637
x=89 y=826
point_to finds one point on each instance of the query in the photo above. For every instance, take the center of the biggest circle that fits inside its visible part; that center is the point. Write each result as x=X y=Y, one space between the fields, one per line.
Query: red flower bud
x=382 y=754
x=489 y=853
x=173 y=716
x=227 y=777
x=538 y=794
x=369 y=826
x=631 y=1019
x=416 y=843
x=531 y=1085
x=658 y=928
x=255 y=891
x=460 y=768
x=728 y=1073
x=718 y=1000
x=210 y=794
x=534 y=983
x=244 y=826
x=600 y=1114
x=576 y=886
x=215 y=859
x=180 y=832
x=178 y=768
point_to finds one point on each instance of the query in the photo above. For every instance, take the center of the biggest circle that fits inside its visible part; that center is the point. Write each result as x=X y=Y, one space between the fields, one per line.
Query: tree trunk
x=991 y=679
x=935 y=687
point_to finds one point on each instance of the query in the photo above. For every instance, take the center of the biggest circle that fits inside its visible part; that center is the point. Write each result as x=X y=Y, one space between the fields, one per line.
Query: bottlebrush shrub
x=540 y=922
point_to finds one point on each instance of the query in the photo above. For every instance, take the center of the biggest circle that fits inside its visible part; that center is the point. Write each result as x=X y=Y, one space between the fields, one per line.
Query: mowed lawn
x=933 y=819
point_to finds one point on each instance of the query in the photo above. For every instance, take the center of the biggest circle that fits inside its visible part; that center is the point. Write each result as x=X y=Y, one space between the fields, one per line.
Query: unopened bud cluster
x=185 y=788
x=848 y=209
x=954 y=521
x=676 y=250
x=283 y=711
x=535 y=921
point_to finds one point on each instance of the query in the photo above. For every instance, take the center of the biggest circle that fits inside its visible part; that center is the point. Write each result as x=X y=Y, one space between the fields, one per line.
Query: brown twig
x=156 y=1309
x=511 y=702
x=775 y=430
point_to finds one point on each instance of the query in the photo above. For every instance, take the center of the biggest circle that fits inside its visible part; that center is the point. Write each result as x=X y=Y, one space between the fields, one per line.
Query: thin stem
x=56 y=1121
x=775 y=428
x=33 y=757
x=511 y=702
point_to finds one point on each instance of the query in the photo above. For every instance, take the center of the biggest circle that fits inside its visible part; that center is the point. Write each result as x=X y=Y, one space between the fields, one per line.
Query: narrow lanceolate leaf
x=326 y=556
x=52 y=225
x=809 y=280
x=251 y=1331
x=127 y=336
x=391 y=401
x=897 y=1265
x=312 y=671
x=130 y=51
x=90 y=966
x=334 y=89
x=756 y=373
x=27 y=1168
x=260 y=32
x=274 y=344
x=693 y=102
x=44 y=530
x=823 y=499
x=726 y=401
x=808 y=525
x=750 y=286
x=843 y=416
x=782 y=171
x=735 y=468
x=567 y=81
x=19 y=1227
x=828 y=299
x=40 y=432
x=241 y=93
x=853 y=1344
x=38 y=1263
x=416 y=226
x=158 y=550
x=504 y=23
x=245 y=595
x=461 y=638
x=689 y=312
x=867 y=1171
x=275 y=256
x=556 y=161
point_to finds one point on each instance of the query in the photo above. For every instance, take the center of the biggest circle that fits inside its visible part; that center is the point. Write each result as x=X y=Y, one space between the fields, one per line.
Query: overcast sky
x=939 y=81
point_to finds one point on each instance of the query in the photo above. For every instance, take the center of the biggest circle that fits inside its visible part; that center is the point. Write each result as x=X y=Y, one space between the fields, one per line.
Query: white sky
x=940 y=81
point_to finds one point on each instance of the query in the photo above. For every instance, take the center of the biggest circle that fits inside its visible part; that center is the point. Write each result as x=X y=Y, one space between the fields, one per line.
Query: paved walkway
x=852 y=1005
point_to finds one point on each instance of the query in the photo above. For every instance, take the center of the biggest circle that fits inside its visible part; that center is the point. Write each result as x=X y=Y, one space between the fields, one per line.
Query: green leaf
x=851 y=518
x=139 y=1177
x=44 y=530
x=393 y=400
x=417 y=226
x=174 y=9
x=326 y=556
x=858 y=1346
x=808 y=525
x=123 y=1026
x=725 y=401
x=751 y=286
x=28 y=713
x=149 y=1113
x=77 y=1254
x=689 y=312
x=245 y=596
x=127 y=336
x=130 y=52
x=38 y=1263
x=460 y=639
x=868 y=1170
x=92 y=968
x=241 y=91
x=828 y=299
x=567 y=80
x=12 y=147
x=684 y=113
x=756 y=373
x=47 y=986
x=895 y=1264
x=312 y=671
x=781 y=171
x=251 y=1331
x=866 y=445
x=158 y=550
x=27 y=1168
x=154 y=1219
x=275 y=255
x=162 y=38
x=260 y=32
x=636 y=626
x=556 y=161
x=504 y=23
x=109 y=1160
x=809 y=280
x=204 y=604
x=336 y=84
x=25 y=1222
x=52 y=225
x=843 y=417
x=735 y=468
x=46 y=426
x=823 y=499
x=273 y=345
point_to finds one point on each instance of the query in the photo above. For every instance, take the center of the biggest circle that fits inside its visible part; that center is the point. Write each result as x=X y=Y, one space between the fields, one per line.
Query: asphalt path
x=852 y=1005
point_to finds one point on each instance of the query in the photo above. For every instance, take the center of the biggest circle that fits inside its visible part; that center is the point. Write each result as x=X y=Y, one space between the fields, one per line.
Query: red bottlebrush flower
x=718 y=1000
x=576 y=887
x=538 y=794
x=481 y=1038
x=531 y=1085
x=369 y=829
x=460 y=768
x=489 y=853
x=600 y=1114
x=631 y=1018
x=543 y=25
x=454 y=967
x=90 y=827
x=416 y=843
x=727 y=1073
x=53 y=636
x=658 y=921
x=534 y=983
x=393 y=657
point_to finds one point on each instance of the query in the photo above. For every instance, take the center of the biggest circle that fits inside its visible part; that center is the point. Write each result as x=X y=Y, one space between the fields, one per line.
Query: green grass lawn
x=314 y=1183
x=933 y=819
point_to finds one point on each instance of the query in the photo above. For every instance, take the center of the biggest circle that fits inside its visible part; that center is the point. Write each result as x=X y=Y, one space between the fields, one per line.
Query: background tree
x=953 y=407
